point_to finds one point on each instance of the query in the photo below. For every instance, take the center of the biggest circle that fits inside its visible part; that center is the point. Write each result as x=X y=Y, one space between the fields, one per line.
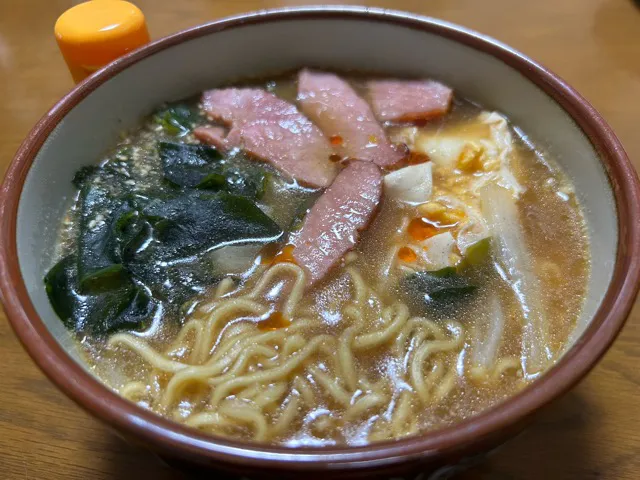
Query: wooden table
x=594 y=432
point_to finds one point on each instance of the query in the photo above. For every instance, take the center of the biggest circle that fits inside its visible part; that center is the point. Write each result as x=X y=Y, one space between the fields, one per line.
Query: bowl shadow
x=552 y=447
x=133 y=462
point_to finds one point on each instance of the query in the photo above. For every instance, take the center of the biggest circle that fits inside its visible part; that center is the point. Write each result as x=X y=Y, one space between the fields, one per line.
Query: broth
x=397 y=338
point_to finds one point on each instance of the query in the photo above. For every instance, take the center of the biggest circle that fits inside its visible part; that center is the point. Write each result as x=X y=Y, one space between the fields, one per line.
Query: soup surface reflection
x=321 y=260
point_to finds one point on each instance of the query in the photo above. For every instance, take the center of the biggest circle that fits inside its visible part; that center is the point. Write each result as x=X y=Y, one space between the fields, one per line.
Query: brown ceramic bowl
x=87 y=121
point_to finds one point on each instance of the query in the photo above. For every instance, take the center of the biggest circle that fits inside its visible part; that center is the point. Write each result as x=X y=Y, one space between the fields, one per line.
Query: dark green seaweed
x=193 y=223
x=437 y=292
x=144 y=227
x=61 y=286
x=176 y=120
x=84 y=174
x=188 y=165
x=202 y=167
x=126 y=307
x=99 y=259
x=137 y=253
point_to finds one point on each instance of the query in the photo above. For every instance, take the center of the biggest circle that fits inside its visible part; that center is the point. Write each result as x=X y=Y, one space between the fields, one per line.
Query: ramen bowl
x=83 y=125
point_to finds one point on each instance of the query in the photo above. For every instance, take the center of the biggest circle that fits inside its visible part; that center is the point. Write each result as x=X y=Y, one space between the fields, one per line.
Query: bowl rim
x=179 y=440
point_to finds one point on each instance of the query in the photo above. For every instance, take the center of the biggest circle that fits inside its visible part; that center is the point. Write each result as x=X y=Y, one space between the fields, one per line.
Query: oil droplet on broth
x=275 y=321
x=268 y=253
x=271 y=254
x=285 y=255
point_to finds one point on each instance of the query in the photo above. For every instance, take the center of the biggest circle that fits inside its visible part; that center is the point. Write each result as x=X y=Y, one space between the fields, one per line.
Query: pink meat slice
x=336 y=108
x=408 y=100
x=272 y=130
x=212 y=135
x=332 y=226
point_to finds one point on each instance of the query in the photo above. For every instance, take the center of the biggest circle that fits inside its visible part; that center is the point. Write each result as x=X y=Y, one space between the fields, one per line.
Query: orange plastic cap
x=94 y=33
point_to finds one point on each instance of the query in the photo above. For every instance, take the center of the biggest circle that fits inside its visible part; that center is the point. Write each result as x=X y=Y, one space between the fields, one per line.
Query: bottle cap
x=94 y=33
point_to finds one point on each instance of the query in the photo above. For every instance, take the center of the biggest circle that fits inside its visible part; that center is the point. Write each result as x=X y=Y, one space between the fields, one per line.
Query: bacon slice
x=271 y=130
x=336 y=108
x=408 y=100
x=212 y=135
x=332 y=226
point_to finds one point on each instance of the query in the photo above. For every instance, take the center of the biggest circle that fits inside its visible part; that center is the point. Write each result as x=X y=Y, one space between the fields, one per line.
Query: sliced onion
x=235 y=259
x=443 y=150
x=410 y=184
x=489 y=331
x=515 y=265
x=436 y=251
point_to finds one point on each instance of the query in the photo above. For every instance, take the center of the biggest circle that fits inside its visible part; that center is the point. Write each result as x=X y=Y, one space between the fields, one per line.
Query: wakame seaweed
x=99 y=260
x=127 y=306
x=83 y=174
x=176 y=120
x=202 y=167
x=148 y=250
x=188 y=165
x=249 y=180
x=438 y=292
x=171 y=257
x=192 y=223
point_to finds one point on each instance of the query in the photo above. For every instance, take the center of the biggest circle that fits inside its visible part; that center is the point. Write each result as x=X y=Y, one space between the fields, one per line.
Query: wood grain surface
x=592 y=433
